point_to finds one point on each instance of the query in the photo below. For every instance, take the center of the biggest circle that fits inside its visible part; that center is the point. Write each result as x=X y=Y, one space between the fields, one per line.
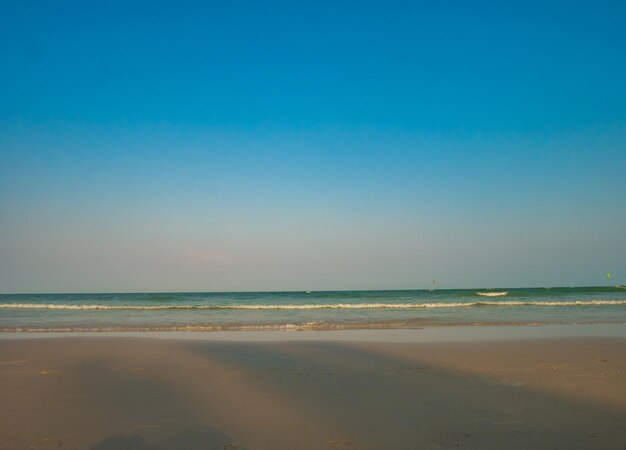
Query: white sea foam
x=511 y=303
x=492 y=294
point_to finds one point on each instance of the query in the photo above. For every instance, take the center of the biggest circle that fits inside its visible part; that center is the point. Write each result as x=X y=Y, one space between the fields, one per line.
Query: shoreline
x=430 y=333
x=300 y=327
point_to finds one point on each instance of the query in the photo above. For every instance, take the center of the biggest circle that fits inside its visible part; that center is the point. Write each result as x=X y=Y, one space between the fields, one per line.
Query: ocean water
x=311 y=310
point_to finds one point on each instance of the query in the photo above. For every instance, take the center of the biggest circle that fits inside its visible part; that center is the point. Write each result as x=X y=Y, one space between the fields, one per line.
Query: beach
x=312 y=225
x=389 y=389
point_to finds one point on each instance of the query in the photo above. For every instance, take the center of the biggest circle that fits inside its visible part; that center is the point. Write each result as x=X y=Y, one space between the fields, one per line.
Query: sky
x=241 y=146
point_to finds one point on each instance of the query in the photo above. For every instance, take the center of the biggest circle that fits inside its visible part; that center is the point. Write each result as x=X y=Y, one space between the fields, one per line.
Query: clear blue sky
x=162 y=146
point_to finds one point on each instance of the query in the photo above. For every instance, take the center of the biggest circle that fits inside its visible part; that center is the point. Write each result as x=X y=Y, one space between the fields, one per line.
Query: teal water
x=311 y=310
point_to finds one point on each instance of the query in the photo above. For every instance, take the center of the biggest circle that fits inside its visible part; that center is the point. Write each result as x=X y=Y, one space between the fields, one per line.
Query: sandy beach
x=105 y=393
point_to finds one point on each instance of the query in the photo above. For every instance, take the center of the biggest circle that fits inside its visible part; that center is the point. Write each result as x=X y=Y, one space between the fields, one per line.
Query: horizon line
x=308 y=290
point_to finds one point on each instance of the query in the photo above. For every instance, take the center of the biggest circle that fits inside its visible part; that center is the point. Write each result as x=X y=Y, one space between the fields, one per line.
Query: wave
x=492 y=294
x=313 y=306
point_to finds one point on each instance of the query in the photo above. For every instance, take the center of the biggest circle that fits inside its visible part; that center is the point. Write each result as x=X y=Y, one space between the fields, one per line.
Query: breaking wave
x=314 y=306
x=492 y=294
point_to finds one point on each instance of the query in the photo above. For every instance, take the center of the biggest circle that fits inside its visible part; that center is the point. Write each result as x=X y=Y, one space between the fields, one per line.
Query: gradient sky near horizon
x=204 y=146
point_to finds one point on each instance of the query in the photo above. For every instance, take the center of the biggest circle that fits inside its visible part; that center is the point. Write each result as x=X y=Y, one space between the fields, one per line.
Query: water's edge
x=431 y=334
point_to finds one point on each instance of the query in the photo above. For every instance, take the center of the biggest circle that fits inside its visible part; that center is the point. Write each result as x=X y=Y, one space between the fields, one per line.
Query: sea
x=310 y=310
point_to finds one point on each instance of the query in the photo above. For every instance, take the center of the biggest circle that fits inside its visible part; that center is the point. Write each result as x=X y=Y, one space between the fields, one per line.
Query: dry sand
x=132 y=393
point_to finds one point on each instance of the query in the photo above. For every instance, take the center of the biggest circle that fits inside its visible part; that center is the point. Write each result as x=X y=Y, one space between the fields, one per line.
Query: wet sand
x=106 y=393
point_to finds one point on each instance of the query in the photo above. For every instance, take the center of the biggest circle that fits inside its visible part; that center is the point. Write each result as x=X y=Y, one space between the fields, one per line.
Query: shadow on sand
x=197 y=438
